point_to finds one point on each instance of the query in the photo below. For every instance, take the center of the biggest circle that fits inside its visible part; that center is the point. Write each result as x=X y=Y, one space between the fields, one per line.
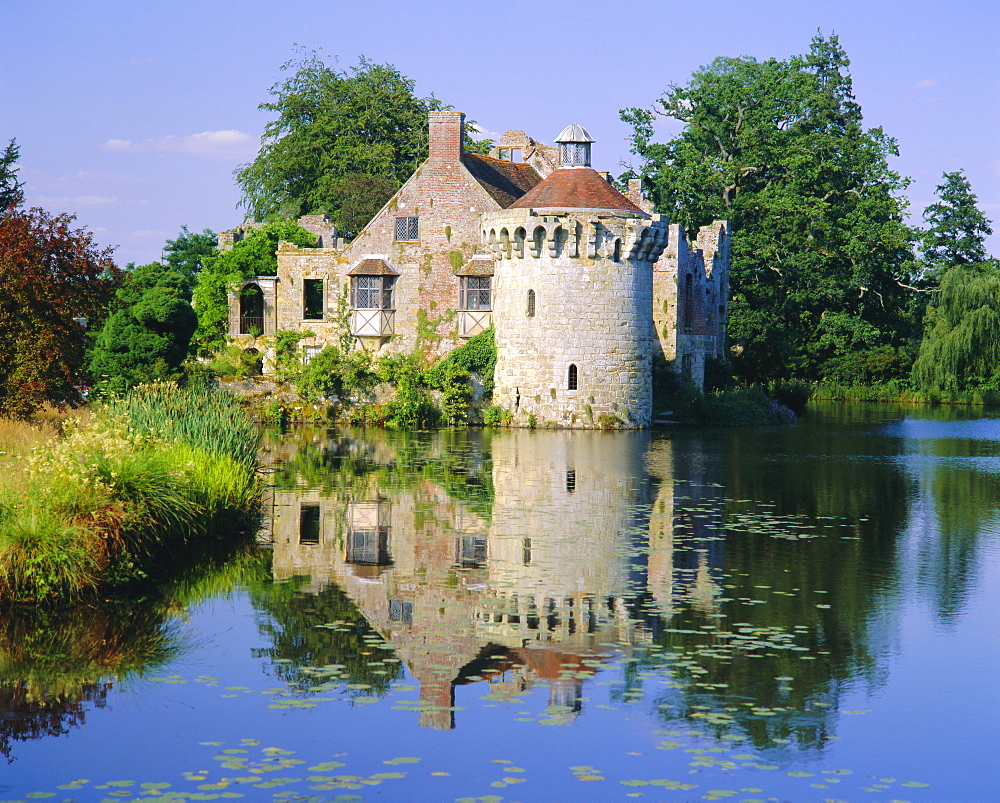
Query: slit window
x=407 y=229
x=309 y=518
x=572 y=378
x=570 y=480
x=312 y=300
x=531 y=304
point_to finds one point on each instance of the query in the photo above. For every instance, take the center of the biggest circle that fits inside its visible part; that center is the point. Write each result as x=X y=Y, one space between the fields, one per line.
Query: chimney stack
x=446 y=132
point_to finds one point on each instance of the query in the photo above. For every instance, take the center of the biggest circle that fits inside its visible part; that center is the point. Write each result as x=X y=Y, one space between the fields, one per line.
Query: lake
x=796 y=613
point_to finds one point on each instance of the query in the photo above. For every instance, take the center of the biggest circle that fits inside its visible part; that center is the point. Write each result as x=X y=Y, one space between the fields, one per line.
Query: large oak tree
x=820 y=249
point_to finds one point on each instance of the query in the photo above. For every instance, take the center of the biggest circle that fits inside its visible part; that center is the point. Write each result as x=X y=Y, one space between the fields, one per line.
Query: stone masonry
x=615 y=290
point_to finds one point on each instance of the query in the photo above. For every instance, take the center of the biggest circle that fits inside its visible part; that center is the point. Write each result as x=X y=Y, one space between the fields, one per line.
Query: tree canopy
x=186 y=255
x=147 y=337
x=52 y=278
x=819 y=245
x=960 y=350
x=10 y=187
x=330 y=124
x=956 y=228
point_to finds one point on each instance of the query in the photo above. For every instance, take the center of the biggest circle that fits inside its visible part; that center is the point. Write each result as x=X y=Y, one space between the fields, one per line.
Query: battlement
x=613 y=235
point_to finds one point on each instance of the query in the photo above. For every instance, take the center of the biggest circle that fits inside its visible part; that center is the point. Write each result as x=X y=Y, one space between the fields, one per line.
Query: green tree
x=956 y=231
x=254 y=255
x=10 y=188
x=819 y=244
x=186 y=254
x=329 y=124
x=147 y=337
x=961 y=346
x=53 y=278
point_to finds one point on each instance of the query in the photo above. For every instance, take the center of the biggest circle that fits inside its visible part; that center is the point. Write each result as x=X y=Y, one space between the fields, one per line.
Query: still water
x=803 y=613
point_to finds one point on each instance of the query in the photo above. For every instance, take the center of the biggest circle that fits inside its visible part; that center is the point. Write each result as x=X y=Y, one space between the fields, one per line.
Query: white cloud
x=224 y=145
x=926 y=84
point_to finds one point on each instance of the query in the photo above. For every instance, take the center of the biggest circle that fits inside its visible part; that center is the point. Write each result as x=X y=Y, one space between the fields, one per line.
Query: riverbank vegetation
x=96 y=502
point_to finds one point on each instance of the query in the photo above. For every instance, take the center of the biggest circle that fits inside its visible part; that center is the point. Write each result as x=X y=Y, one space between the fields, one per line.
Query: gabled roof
x=575 y=188
x=504 y=181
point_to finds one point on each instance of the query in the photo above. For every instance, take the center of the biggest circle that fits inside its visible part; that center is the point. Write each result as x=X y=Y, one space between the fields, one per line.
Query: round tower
x=573 y=298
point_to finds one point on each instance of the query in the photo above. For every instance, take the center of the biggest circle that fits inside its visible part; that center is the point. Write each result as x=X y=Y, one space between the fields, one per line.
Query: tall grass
x=200 y=416
x=107 y=503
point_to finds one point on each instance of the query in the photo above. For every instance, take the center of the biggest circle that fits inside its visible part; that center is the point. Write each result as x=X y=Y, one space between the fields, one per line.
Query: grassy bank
x=897 y=393
x=101 y=502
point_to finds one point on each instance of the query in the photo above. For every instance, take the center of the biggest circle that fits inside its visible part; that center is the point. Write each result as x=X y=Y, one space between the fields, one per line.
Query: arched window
x=251 y=310
x=531 y=304
x=571 y=379
x=617 y=256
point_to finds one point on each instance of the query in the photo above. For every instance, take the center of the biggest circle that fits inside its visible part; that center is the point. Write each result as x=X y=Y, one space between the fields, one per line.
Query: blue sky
x=133 y=114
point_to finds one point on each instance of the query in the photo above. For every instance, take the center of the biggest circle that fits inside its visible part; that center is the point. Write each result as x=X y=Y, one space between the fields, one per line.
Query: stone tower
x=573 y=301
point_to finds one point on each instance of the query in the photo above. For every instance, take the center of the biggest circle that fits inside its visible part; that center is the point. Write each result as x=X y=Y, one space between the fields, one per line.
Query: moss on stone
x=457 y=259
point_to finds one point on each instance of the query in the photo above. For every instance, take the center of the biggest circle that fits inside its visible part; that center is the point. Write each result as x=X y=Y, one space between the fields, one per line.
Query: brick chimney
x=445 y=135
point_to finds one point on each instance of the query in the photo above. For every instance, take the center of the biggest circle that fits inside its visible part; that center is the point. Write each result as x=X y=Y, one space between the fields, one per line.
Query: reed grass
x=105 y=504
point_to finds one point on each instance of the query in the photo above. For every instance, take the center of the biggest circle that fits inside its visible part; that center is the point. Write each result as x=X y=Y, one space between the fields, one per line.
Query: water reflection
x=748 y=577
x=512 y=558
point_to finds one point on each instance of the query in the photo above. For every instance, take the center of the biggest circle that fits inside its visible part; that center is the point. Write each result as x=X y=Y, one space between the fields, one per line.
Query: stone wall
x=589 y=273
x=691 y=300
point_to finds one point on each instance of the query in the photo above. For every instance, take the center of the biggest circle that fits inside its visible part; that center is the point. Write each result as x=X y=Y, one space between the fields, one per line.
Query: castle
x=587 y=289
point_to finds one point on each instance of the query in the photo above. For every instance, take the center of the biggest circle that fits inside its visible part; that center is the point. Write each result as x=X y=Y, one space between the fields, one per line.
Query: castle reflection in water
x=511 y=558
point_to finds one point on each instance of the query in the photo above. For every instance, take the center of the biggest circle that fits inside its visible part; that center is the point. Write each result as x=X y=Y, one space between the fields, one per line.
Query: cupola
x=574 y=146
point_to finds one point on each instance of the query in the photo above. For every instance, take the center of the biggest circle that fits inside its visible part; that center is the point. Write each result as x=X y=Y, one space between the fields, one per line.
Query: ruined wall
x=691 y=330
x=590 y=275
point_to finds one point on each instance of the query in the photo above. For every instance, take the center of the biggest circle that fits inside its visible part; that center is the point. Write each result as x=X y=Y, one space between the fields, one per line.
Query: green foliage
x=496 y=416
x=147 y=337
x=254 y=255
x=152 y=471
x=328 y=125
x=287 y=356
x=456 y=391
x=411 y=407
x=186 y=254
x=334 y=375
x=819 y=244
x=360 y=197
x=961 y=346
x=11 y=190
x=956 y=231
x=478 y=355
x=205 y=418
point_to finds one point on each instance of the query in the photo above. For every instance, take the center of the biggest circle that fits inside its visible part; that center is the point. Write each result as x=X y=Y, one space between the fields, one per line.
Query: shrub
x=496 y=416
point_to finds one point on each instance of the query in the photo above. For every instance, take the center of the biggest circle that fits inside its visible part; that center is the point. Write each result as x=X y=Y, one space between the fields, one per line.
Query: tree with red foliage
x=52 y=278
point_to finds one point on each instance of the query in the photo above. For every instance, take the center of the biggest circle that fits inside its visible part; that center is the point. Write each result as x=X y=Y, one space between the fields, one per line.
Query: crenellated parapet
x=613 y=235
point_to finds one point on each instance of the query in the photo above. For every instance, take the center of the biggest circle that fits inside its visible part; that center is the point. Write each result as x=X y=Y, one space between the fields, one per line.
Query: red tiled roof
x=504 y=181
x=575 y=188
